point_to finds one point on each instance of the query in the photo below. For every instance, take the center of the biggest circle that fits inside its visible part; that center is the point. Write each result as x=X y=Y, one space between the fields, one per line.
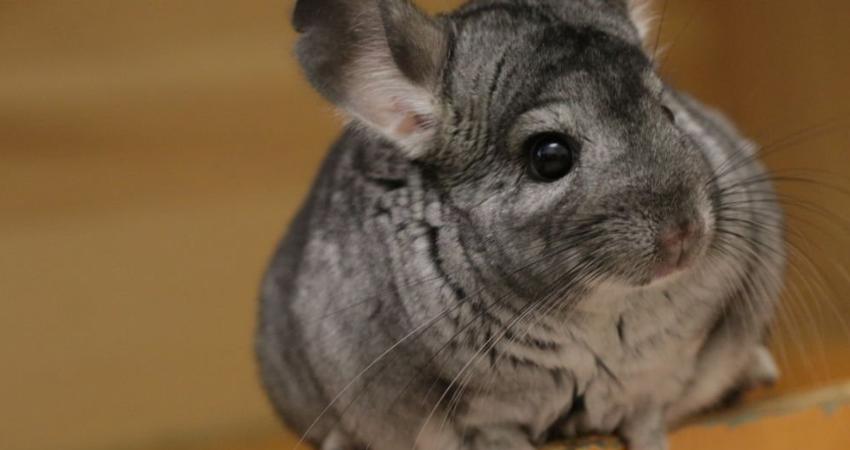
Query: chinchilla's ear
x=639 y=12
x=379 y=60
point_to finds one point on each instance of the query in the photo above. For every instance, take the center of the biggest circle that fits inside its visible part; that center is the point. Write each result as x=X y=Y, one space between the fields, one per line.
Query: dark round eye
x=669 y=113
x=551 y=155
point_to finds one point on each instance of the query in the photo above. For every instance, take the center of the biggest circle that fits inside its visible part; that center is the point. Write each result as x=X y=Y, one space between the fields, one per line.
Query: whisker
x=658 y=32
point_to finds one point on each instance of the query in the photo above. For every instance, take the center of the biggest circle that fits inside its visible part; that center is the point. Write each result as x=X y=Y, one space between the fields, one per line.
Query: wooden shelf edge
x=829 y=400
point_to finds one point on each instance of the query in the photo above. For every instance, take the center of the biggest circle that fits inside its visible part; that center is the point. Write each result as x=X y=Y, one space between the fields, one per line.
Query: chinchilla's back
x=280 y=343
x=325 y=276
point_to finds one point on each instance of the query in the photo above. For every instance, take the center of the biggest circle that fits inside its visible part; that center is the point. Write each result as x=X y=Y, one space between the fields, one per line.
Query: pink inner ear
x=411 y=124
x=396 y=118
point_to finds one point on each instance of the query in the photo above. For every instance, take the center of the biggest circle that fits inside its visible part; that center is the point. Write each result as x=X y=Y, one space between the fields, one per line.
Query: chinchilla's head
x=542 y=121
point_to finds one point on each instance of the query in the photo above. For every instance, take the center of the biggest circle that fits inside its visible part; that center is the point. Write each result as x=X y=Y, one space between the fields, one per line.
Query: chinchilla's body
x=524 y=234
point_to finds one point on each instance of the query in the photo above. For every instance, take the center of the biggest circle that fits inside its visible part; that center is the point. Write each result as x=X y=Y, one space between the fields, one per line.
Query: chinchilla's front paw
x=762 y=369
x=645 y=431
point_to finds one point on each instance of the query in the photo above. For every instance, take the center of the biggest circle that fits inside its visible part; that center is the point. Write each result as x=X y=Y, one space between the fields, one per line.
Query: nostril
x=689 y=228
x=682 y=232
x=677 y=245
x=677 y=241
x=674 y=236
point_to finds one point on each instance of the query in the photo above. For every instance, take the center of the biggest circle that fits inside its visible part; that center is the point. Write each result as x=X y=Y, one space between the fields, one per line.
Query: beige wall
x=151 y=152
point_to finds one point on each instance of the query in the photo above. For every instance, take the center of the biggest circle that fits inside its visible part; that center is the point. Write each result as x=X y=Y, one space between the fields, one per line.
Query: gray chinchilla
x=523 y=234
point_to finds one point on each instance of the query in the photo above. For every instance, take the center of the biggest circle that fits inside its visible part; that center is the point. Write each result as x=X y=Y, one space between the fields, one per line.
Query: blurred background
x=153 y=151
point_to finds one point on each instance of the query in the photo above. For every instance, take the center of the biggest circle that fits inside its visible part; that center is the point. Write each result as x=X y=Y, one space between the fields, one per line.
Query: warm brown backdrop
x=152 y=151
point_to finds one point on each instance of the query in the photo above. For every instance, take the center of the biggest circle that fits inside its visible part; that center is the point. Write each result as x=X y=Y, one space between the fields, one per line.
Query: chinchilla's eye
x=550 y=156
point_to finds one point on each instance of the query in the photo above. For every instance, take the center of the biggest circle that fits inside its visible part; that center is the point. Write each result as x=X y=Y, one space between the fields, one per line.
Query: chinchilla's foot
x=762 y=370
x=338 y=440
x=645 y=431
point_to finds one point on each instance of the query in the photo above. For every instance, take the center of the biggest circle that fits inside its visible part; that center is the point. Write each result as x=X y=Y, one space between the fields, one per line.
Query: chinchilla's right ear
x=379 y=60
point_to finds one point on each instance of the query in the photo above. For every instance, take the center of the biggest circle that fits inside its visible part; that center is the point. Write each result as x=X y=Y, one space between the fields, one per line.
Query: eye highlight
x=551 y=156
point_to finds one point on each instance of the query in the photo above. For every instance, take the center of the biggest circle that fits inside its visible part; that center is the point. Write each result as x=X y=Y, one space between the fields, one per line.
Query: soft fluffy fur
x=431 y=295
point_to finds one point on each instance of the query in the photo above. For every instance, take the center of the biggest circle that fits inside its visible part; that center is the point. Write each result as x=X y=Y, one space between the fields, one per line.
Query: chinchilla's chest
x=609 y=361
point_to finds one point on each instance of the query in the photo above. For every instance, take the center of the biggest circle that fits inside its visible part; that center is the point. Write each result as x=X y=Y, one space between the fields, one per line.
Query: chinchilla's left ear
x=379 y=60
x=640 y=13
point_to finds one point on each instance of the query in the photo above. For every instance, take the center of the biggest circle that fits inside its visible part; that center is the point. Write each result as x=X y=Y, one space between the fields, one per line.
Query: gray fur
x=431 y=295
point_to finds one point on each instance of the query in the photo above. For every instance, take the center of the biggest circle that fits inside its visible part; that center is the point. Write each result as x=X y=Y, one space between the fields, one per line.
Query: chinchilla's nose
x=677 y=244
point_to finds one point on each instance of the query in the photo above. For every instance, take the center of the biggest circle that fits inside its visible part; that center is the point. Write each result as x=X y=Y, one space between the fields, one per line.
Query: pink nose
x=676 y=245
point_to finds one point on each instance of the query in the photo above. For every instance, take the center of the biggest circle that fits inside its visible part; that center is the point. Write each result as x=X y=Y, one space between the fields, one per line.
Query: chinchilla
x=523 y=234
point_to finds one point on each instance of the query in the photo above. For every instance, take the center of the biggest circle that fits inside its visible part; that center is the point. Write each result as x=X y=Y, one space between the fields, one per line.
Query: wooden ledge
x=817 y=419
